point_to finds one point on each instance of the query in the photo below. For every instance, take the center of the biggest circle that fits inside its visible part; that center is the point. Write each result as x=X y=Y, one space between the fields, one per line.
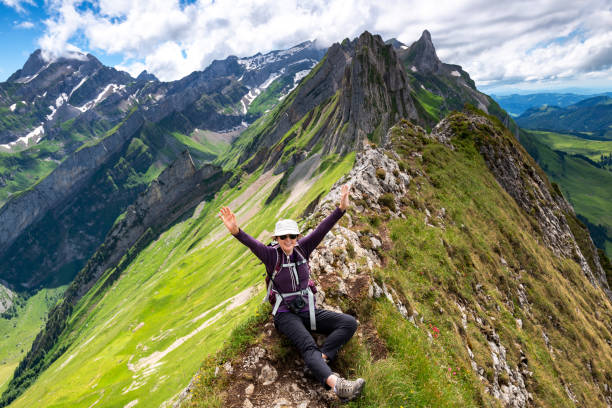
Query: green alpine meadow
x=473 y=254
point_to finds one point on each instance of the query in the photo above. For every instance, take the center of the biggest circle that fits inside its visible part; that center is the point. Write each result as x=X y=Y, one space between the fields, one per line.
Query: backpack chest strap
x=293 y=268
x=311 y=309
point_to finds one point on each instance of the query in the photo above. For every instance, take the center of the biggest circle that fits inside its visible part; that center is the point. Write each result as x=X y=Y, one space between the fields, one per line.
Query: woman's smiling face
x=287 y=243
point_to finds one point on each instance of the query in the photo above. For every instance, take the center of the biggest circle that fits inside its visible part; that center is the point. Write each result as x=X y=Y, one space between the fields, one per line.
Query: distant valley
x=590 y=118
x=517 y=104
x=573 y=145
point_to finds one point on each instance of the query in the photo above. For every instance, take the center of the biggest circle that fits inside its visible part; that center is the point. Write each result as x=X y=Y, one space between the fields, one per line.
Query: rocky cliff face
x=375 y=95
x=363 y=89
x=365 y=86
x=422 y=54
x=180 y=187
x=6 y=298
x=21 y=212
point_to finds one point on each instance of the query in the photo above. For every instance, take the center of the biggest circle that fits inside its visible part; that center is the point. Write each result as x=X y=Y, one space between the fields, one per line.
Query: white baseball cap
x=284 y=227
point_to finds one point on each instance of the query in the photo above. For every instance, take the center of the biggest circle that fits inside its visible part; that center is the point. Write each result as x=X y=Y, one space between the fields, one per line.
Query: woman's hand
x=344 y=197
x=229 y=219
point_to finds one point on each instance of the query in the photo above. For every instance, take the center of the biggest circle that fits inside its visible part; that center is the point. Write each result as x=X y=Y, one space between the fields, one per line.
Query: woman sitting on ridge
x=290 y=290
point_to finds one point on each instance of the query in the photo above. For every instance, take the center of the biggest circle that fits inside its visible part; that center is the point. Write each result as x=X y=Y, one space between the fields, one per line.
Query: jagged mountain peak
x=423 y=54
x=33 y=64
x=376 y=77
x=426 y=36
x=38 y=61
x=146 y=76
x=396 y=43
x=362 y=86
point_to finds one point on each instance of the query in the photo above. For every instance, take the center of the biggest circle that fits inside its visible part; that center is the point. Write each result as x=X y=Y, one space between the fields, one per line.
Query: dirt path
x=301 y=180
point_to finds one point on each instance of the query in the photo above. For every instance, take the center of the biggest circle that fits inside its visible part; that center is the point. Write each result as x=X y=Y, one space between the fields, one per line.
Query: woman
x=290 y=290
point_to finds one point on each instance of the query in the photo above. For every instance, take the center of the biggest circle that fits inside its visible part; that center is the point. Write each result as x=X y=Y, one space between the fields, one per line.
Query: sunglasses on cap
x=283 y=237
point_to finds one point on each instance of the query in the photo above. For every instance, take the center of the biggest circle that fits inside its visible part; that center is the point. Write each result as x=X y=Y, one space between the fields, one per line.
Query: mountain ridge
x=499 y=324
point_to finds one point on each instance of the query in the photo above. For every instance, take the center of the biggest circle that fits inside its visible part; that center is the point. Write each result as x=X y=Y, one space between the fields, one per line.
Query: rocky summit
x=470 y=275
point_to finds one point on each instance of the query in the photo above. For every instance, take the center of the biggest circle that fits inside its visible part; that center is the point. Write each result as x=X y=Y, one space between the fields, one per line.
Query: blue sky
x=520 y=45
x=17 y=43
x=20 y=30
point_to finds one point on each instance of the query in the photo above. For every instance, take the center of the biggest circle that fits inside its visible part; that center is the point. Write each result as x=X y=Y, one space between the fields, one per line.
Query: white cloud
x=518 y=41
x=18 y=5
x=26 y=25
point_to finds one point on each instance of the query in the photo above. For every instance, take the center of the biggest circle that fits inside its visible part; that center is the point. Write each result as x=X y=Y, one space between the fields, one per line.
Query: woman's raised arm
x=265 y=253
x=344 y=197
x=229 y=220
x=310 y=241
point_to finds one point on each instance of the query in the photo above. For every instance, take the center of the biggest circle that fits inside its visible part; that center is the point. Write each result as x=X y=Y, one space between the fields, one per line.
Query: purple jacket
x=268 y=255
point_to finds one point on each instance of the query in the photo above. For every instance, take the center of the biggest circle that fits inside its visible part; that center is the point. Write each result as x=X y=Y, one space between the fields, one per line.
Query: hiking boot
x=349 y=390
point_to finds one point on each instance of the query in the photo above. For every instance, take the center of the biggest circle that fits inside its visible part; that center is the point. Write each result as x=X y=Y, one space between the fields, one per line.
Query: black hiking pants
x=338 y=327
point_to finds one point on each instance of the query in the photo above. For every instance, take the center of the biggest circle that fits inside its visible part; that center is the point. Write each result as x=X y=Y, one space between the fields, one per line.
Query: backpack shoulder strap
x=300 y=252
x=270 y=277
x=277 y=266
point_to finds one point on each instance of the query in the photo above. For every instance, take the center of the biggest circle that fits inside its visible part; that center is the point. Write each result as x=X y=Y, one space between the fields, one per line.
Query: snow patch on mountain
x=78 y=86
x=29 y=78
x=106 y=92
x=299 y=75
x=253 y=93
x=249 y=98
x=259 y=60
x=59 y=101
x=455 y=74
x=52 y=114
x=13 y=107
x=271 y=79
x=294 y=50
x=35 y=135
x=296 y=81
x=303 y=60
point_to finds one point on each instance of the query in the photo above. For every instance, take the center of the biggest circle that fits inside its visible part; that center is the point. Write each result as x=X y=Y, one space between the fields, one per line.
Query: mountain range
x=517 y=104
x=100 y=123
x=590 y=118
x=473 y=280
